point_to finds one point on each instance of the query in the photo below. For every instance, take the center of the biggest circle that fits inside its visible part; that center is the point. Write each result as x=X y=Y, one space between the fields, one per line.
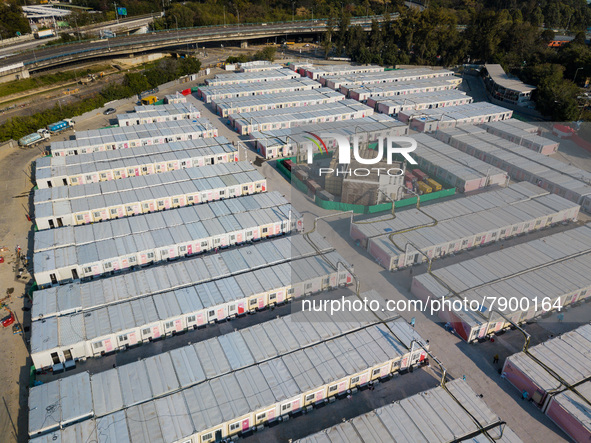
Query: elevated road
x=135 y=44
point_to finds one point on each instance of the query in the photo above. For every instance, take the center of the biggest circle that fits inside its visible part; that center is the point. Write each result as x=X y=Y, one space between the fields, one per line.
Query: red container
x=186 y=91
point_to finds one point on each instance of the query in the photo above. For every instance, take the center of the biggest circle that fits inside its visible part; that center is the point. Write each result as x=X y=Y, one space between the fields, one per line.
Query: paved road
x=174 y=38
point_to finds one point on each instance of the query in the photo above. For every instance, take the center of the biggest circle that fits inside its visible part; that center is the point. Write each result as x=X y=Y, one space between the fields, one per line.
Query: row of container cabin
x=522 y=163
x=160 y=115
x=93 y=250
x=134 y=136
x=78 y=297
x=211 y=93
x=275 y=101
x=118 y=326
x=551 y=267
x=178 y=275
x=468 y=231
x=235 y=402
x=258 y=65
x=81 y=235
x=528 y=138
x=174 y=99
x=337 y=82
x=103 y=166
x=70 y=193
x=369 y=94
x=252 y=77
x=438 y=415
x=272 y=119
x=417 y=102
x=317 y=72
x=438 y=212
x=295 y=142
x=456 y=168
x=516 y=282
x=430 y=120
x=172 y=190
x=561 y=385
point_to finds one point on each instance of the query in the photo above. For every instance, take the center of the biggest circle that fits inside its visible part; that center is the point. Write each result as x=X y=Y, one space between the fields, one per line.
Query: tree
x=558 y=100
x=12 y=20
x=549 y=72
x=267 y=53
x=327 y=37
x=136 y=82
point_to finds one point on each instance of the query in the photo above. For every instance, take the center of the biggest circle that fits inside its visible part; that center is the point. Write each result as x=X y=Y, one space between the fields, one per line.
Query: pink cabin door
x=200 y=320
x=245 y=424
x=189 y=249
x=220 y=314
x=108 y=345
x=261 y=302
x=241 y=308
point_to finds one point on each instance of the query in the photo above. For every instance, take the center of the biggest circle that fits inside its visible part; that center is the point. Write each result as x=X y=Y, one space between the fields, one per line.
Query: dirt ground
x=15 y=229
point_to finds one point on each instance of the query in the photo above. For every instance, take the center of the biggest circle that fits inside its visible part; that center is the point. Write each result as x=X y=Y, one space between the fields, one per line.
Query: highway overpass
x=174 y=38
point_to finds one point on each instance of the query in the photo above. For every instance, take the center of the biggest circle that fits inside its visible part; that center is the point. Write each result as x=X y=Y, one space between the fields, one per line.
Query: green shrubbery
x=133 y=83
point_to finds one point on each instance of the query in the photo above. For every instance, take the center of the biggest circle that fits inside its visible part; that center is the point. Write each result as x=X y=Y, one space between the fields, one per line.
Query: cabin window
x=191 y=318
x=87 y=270
x=150 y=255
x=132 y=259
x=123 y=337
x=332 y=388
x=207 y=437
x=211 y=313
x=290 y=291
x=203 y=244
x=252 y=302
x=245 y=188
x=285 y=407
x=146 y=331
x=183 y=248
x=79 y=217
x=97 y=345
x=169 y=325
x=265 y=230
x=234 y=426
x=97 y=214
x=376 y=372
x=308 y=286
x=261 y=416
x=355 y=380
x=309 y=397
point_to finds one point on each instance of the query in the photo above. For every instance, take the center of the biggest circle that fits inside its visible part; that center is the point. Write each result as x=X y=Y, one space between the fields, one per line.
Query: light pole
x=77 y=28
x=116 y=14
x=177 y=28
x=576 y=72
x=292 y=11
x=224 y=16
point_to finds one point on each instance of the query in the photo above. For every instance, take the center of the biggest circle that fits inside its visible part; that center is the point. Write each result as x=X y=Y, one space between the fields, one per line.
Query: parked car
x=110 y=111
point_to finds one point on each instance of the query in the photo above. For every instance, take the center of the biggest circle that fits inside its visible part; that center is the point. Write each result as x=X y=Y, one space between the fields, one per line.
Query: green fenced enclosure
x=359 y=209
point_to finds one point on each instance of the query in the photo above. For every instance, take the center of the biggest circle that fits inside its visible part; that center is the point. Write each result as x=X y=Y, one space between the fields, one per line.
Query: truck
x=435 y=185
x=34 y=139
x=149 y=100
x=61 y=126
x=424 y=188
x=46 y=33
x=419 y=174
